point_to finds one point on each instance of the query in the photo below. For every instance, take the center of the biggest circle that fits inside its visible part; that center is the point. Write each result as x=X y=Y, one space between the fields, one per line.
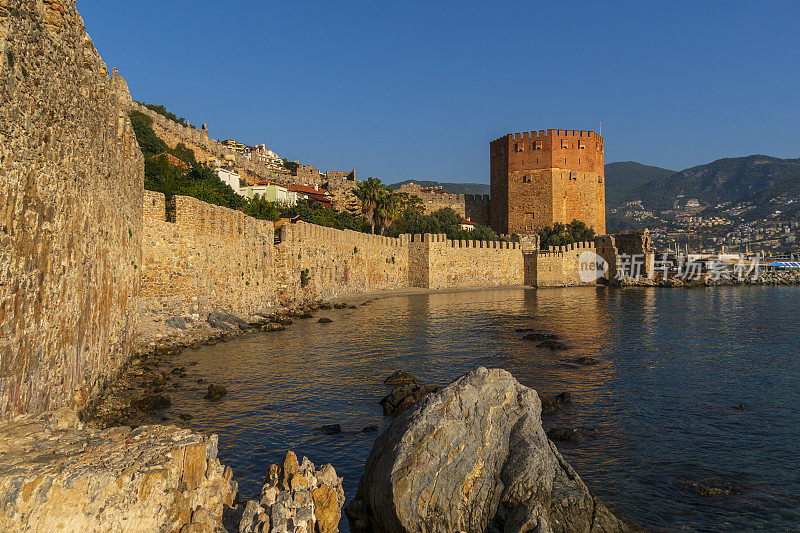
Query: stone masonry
x=540 y=178
x=71 y=178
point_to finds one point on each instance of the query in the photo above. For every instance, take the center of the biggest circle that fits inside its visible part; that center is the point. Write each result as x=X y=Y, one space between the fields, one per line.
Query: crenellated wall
x=210 y=257
x=70 y=205
x=560 y=266
x=337 y=262
x=439 y=263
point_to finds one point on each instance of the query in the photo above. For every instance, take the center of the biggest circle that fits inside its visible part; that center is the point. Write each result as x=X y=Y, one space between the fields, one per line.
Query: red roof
x=464 y=221
x=305 y=189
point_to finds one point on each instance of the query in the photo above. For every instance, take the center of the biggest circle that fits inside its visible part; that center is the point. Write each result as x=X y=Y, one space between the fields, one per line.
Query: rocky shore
x=782 y=277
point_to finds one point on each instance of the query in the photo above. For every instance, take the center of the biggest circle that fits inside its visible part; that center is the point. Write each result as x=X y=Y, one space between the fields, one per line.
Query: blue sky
x=418 y=89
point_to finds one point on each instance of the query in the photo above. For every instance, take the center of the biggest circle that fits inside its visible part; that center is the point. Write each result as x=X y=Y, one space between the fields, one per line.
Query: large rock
x=295 y=498
x=473 y=457
x=57 y=475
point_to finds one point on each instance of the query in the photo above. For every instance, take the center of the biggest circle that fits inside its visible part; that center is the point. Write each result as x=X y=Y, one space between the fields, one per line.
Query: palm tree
x=369 y=193
x=390 y=205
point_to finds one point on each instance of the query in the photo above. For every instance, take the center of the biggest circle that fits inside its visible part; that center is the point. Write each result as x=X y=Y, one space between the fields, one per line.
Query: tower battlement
x=542 y=177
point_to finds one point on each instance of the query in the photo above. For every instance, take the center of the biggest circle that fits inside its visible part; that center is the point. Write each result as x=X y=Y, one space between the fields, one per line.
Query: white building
x=229 y=177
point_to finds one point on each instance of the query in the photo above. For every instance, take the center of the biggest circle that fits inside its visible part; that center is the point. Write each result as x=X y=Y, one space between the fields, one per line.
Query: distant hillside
x=453 y=188
x=625 y=177
x=756 y=179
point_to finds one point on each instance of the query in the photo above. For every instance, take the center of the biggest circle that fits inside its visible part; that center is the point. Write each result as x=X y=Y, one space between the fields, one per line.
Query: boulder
x=58 y=476
x=400 y=377
x=473 y=457
x=404 y=396
x=587 y=361
x=324 y=320
x=225 y=321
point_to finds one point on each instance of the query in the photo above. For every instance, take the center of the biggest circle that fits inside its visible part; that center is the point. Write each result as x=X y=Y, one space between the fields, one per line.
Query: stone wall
x=70 y=211
x=337 y=262
x=560 y=266
x=210 y=257
x=439 y=263
x=628 y=254
x=472 y=206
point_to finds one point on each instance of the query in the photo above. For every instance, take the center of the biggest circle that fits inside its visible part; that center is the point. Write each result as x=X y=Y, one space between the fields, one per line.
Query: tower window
x=520 y=147
x=564 y=143
x=537 y=145
x=527 y=178
x=582 y=145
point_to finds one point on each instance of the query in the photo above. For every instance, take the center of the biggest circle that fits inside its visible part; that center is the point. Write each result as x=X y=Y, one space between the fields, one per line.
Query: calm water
x=674 y=364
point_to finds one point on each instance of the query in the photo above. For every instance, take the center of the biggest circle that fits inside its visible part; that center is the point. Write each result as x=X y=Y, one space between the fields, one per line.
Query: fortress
x=87 y=252
x=540 y=178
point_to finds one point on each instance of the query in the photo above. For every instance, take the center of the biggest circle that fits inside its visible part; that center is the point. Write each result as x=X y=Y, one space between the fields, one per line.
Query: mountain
x=754 y=179
x=453 y=188
x=625 y=177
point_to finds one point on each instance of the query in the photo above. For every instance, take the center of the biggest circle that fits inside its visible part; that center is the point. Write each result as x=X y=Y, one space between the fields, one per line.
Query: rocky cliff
x=473 y=457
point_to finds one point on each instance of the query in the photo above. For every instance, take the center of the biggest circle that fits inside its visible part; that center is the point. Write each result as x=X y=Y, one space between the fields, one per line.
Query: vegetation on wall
x=563 y=234
x=161 y=110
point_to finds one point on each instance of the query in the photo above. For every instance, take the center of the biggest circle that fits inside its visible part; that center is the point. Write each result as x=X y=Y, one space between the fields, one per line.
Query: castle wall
x=314 y=262
x=628 y=254
x=211 y=257
x=540 y=178
x=559 y=266
x=440 y=263
x=70 y=204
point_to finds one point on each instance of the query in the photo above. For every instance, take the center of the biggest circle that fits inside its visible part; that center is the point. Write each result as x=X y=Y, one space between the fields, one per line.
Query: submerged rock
x=324 y=320
x=215 y=392
x=537 y=337
x=400 y=377
x=587 y=361
x=550 y=404
x=473 y=457
x=331 y=429
x=152 y=402
x=711 y=487
x=554 y=345
x=564 y=435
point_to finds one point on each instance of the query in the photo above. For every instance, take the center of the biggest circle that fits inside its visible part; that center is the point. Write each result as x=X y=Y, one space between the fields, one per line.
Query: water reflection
x=672 y=365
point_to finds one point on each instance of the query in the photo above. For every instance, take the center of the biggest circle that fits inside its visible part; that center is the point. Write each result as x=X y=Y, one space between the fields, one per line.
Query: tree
x=563 y=234
x=368 y=193
x=388 y=207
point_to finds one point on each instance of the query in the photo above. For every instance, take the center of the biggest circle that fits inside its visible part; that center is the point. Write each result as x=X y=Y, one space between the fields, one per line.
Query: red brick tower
x=539 y=178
